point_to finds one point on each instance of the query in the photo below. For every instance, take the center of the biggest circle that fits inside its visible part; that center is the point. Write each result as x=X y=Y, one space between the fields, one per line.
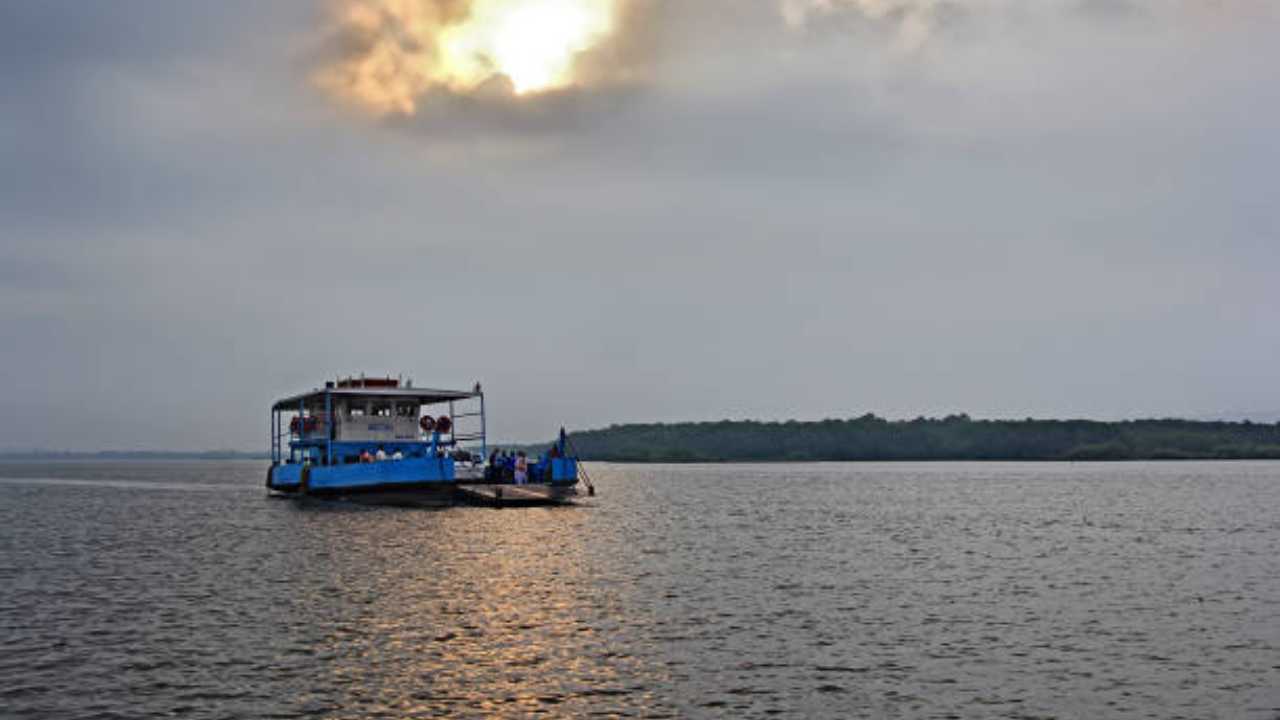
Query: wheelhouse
x=350 y=419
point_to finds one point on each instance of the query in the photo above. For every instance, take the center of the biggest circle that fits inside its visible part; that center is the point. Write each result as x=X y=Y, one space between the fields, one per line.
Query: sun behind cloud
x=392 y=52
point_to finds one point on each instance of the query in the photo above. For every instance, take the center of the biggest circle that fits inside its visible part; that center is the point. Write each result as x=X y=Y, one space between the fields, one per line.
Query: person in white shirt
x=398 y=456
x=522 y=469
x=382 y=455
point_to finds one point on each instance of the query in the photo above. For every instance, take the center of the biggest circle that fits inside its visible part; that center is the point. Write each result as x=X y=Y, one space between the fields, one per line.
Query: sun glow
x=533 y=42
x=397 y=50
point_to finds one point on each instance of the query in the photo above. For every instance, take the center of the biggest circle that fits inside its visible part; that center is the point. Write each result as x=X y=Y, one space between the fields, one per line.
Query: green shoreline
x=75 y=455
x=953 y=438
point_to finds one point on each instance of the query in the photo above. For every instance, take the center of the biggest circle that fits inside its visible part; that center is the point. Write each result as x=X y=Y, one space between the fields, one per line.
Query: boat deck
x=500 y=496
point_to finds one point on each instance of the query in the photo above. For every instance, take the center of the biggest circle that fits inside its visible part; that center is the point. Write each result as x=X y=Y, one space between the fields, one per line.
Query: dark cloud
x=1110 y=8
x=52 y=36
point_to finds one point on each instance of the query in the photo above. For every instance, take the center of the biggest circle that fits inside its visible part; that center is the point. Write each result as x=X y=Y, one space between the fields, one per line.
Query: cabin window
x=406 y=411
x=357 y=411
x=381 y=411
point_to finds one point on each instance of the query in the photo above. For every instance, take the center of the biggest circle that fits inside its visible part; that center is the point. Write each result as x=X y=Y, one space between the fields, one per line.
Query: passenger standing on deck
x=509 y=467
x=522 y=469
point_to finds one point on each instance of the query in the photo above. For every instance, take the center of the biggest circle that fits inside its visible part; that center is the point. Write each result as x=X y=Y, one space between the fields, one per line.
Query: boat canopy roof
x=424 y=396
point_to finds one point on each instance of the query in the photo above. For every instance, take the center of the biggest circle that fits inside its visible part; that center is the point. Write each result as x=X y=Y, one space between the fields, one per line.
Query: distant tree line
x=955 y=437
x=55 y=455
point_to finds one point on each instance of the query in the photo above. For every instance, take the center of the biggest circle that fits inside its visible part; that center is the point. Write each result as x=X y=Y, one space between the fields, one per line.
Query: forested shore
x=956 y=437
x=78 y=455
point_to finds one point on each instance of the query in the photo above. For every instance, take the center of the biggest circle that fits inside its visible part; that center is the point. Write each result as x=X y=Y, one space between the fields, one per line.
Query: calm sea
x=810 y=591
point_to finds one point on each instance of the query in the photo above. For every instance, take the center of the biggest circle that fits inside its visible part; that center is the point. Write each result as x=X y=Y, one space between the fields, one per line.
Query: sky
x=618 y=211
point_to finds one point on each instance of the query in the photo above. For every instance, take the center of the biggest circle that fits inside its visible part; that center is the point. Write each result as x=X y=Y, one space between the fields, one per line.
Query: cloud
x=392 y=58
x=914 y=19
x=915 y=22
x=387 y=56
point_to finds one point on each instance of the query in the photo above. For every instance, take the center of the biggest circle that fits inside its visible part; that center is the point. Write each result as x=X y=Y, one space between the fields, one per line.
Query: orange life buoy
x=427 y=424
x=444 y=423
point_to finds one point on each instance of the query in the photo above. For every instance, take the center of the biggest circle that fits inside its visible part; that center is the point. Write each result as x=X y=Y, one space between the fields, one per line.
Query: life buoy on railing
x=427 y=424
x=444 y=424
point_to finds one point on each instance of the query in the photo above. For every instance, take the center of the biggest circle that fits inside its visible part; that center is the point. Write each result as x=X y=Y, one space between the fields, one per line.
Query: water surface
x=823 y=591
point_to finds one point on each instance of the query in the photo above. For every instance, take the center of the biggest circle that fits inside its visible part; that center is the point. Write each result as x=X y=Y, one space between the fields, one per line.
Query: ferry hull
x=431 y=495
x=413 y=481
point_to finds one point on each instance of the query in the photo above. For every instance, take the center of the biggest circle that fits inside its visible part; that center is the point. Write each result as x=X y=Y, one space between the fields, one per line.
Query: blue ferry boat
x=383 y=440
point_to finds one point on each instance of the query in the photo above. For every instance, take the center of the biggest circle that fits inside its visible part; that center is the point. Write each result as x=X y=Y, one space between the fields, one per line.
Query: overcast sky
x=741 y=208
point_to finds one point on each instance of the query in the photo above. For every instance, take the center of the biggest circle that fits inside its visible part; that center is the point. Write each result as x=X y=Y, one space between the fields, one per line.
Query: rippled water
x=947 y=590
